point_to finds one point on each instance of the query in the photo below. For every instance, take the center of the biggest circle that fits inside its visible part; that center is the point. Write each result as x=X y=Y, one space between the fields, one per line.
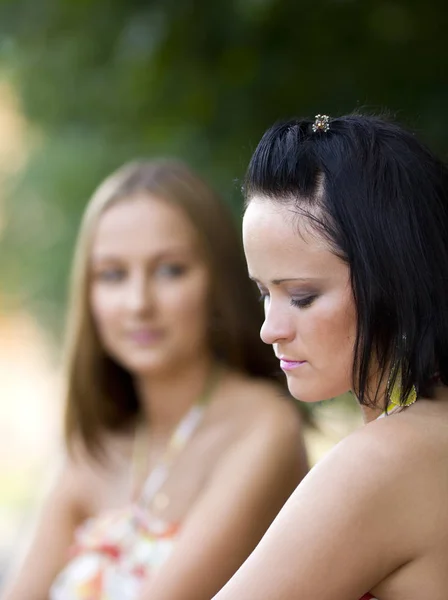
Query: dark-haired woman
x=346 y=235
x=182 y=449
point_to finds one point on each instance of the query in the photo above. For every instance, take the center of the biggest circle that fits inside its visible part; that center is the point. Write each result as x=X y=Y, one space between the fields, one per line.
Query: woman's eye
x=110 y=275
x=170 y=270
x=303 y=302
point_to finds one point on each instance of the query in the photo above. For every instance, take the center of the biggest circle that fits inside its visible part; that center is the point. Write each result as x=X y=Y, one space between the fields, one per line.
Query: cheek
x=104 y=307
x=332 y=326
x=188 y=301
x=342 y=334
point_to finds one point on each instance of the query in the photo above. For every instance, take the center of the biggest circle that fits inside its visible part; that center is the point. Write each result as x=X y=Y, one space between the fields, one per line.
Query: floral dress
x=113 y=556
x=116 y=552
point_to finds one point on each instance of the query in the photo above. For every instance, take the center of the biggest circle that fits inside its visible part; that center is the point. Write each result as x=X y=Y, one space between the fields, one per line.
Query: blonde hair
x=100 y=393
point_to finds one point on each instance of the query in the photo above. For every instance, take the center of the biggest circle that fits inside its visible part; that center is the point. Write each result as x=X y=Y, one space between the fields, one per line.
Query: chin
x=305 y=393
x=148 y=368
x=146 y=364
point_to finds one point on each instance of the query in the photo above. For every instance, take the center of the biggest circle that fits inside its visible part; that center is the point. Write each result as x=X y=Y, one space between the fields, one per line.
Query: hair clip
x=321 y=123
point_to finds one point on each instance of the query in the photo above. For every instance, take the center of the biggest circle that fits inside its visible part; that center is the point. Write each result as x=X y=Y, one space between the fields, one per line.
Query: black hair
x=380 y=198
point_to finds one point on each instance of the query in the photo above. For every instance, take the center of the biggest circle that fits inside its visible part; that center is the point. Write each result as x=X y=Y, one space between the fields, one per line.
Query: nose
x=138 y=295
x=277 y=326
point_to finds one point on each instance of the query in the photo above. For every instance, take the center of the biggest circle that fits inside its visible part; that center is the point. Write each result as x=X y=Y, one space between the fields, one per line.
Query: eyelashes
x=303 y=302
x=296 y=302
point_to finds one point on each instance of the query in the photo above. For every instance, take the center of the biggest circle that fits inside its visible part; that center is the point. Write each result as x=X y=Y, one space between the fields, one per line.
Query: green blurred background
x=88 y=84
x=101 y=81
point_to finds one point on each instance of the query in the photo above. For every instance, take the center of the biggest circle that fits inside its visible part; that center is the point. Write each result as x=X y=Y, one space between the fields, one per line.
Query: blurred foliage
x=103 y=81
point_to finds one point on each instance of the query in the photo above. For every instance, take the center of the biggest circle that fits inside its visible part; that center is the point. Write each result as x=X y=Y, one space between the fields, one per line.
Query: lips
x=145 y=336
x=287 y=364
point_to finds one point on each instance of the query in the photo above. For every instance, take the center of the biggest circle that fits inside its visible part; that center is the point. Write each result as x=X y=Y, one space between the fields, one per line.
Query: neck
x=167 y=397
x=370 y=413
x=377 y=387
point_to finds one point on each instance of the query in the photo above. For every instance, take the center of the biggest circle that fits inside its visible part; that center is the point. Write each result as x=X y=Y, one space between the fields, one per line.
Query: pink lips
x=289 y=365
x=145 y=336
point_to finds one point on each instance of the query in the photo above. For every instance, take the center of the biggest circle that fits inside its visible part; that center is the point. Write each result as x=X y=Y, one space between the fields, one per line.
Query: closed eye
x=303 y=302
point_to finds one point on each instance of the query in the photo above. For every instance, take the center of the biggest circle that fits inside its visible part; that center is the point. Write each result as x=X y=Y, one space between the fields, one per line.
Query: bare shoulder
x=412 y=447
x=76 y=476
x=264 y=445
x=87 y=476
x=374 y=468
x=372 y=453
x=403 y=440
x=264 y=422
x=264 y=406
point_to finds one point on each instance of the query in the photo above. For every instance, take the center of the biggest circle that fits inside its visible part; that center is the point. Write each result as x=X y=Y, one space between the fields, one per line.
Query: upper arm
x=61 y=513
x=340 y=534
x=246 y=492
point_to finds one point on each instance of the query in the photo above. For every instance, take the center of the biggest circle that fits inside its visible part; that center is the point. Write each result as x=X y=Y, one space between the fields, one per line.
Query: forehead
x=280 y=243
x=142 y=224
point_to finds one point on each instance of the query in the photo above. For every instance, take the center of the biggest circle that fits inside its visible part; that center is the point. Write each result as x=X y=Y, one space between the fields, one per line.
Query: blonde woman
x=181 y=446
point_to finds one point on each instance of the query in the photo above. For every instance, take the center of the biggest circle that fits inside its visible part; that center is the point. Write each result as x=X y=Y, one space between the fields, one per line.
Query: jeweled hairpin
x=321 y=123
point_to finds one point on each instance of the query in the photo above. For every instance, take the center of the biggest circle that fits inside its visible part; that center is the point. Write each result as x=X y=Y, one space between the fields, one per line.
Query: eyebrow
x=164 y=254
